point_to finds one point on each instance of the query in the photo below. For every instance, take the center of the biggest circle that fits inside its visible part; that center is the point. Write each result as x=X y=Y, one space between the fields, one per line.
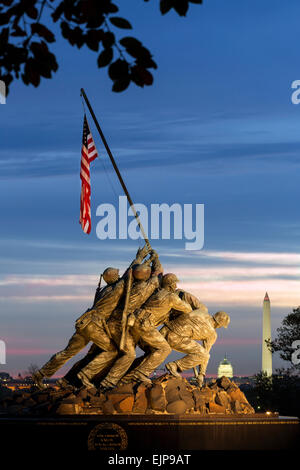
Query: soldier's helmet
x=141 y=272
x=169 y=279
x=110 y=275
x=222 y=319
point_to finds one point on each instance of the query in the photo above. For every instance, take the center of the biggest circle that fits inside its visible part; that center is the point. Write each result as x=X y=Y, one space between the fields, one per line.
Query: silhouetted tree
x=281 y=391
x=32 y=369
x=277 y=393
x=24 y=38
x=287 y=335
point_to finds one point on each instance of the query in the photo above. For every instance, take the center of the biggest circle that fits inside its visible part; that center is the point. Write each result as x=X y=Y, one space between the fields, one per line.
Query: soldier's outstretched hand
x=153 y=255
x=143 y=252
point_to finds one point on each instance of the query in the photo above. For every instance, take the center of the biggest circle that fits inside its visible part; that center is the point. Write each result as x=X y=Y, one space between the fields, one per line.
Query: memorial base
x=150 y=433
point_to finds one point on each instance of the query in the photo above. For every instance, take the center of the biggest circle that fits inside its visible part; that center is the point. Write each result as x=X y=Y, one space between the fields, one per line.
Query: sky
x=217 y=127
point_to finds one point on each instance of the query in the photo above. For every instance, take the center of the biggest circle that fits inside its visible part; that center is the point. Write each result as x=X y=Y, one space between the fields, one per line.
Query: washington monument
x=266 y=353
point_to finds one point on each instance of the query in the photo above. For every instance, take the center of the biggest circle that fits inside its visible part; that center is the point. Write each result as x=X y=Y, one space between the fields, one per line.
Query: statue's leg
x=76 y=344
x=122 y=364
x=100 y=338
x=195 y=353
x=159 y=350
x=71 y=376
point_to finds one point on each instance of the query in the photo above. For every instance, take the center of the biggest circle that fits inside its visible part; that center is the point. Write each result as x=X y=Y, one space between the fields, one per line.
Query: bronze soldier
x=141 y=290
x=91 y=326
x=190 y=299
x=154 y=313
x=182 y=334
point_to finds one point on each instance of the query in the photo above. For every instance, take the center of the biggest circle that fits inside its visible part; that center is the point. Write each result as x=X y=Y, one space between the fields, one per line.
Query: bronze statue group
x=127 y=313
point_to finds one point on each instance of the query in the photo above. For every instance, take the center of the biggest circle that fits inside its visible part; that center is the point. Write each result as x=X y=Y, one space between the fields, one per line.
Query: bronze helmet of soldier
x=110 y=275
x=141 y=272
x=222 y=319
x=169 y=282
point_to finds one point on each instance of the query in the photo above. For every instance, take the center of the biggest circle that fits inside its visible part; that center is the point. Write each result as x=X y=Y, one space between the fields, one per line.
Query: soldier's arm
x=139 y=257
x=156 y=266
x=192 y=300
x=210 y=341
x=181 y=305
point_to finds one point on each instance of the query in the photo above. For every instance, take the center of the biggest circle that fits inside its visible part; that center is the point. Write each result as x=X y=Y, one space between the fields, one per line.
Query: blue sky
x=217 y=127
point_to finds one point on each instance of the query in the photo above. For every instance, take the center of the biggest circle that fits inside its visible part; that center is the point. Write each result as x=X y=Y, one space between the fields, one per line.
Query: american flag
x=88 y=154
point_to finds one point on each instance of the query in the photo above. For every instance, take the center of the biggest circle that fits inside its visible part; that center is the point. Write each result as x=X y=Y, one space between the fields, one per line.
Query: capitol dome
x=225 y=369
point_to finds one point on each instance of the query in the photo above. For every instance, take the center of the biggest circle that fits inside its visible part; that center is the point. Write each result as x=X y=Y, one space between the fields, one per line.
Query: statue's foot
x=64 y=384
x=173 y=369
x=84 y=380
x=106 y=386
x=136 y=377
x=200 y=380
x=37 y=379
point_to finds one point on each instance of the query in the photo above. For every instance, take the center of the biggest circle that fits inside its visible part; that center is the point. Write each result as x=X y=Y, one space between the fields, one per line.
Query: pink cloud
x=243 y=284
x=42 y=280
x=29 y=351
x=254 y=257
x=282 y=292
x=238 y=341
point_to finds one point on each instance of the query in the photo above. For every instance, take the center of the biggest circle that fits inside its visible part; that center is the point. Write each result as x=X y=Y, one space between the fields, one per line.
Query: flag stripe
x=88 y=154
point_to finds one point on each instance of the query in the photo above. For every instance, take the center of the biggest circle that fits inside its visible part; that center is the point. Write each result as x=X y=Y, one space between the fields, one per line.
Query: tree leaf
x=165 y=6
x=18 y=32
x=31 y=72
x=120 y=22
x=32 y=12
x=105 y=57
x=112 y=8
x=108 y=39
x=4 y=18
x=181 y=6
x=118 y=69
x=141 y=76
x=121 y=84
x=92 y=40
x=41 y=30
x=58 y=12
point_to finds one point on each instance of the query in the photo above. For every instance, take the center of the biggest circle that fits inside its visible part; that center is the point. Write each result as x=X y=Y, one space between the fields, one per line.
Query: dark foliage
x=277 y=393
x=25 y=39
x=287 y=334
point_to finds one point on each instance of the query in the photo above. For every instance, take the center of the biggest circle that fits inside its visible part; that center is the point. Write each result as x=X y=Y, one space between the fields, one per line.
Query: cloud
x=219 y=272
x=239 y=341
x=254 y=257
x=221 y=142
x=228 y=158
x=29 y=351
x=66 y=280
x=243 y=283
x=282 y=293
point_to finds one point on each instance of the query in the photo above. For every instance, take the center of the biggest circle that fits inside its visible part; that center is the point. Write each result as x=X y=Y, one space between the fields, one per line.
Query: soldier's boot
x=135 y=377
x=84 y=380
x=172 y=368
x=140 y=378
x=200 y=380
x=37 y=379
x=106 y=386
x=64 y=384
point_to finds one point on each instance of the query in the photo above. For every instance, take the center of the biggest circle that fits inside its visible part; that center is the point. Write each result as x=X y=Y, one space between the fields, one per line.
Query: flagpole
x=115 y=166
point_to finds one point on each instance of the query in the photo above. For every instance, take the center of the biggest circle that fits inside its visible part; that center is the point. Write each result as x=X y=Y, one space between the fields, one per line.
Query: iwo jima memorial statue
x=111 y=383
x=126 y=313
